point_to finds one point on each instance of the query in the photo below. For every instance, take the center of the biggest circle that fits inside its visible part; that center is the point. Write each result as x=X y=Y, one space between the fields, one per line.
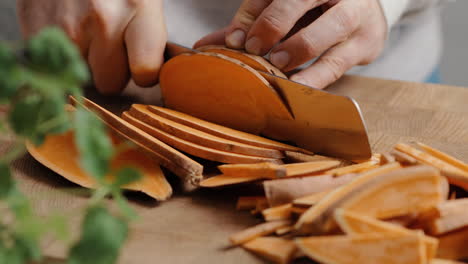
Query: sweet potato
x=309 y=168
x=221 y=131
x=365 y=248
x=282 y=212
x=249 y=202
x=265 y=170
x=168 y=157
x=310 y=200
x=275 y=249
x=59 y=153
x=444 y=156
x=257 y=231
x=256 y=62
x=453 y=245
x=198 y=137
x=446 y=217
x=192 y=148
x=230 y=93
x=225 y=180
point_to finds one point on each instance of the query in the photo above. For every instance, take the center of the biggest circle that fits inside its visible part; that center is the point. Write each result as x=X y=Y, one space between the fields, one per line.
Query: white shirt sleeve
x=394 y=10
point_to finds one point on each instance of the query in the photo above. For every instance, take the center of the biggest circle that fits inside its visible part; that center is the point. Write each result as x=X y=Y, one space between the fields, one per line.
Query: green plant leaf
x=24 y=117
x=6 y=181
x=126 y=176
x=93 y=143
x=102 y=237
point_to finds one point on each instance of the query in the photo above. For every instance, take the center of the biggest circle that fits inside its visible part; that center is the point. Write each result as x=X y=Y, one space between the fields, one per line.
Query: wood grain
x=194 y=228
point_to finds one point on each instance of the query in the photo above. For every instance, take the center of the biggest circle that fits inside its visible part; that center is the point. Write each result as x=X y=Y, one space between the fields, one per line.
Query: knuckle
x=245 y=18
x=336 y=66
x=348 y=19
x=272 y=22
x=308 y=45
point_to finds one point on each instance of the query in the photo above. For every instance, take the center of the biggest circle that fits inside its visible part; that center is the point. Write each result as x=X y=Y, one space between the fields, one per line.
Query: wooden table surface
x=193 y=228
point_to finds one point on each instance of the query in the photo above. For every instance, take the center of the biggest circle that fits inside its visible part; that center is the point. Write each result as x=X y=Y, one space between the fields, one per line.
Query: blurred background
x=454 y=65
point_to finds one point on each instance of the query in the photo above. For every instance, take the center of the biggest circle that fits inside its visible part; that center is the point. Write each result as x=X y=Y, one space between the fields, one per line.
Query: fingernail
x=236 y=39
x=253 y=45
x=280 y=59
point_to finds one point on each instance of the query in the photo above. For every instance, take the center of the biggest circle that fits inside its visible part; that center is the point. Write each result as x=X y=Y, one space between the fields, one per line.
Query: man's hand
x=117 y=37
x=347 y=33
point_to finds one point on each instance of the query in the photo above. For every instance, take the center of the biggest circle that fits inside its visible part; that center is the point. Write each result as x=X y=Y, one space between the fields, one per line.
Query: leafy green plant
x=35 y=79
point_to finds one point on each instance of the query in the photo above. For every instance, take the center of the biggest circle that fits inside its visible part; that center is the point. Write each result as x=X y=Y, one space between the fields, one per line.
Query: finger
x=145 y=39
x=107 y=56
x=275 y=22
x=333 y=27
x=243 y=21
x=332 y=64
x=215 y=38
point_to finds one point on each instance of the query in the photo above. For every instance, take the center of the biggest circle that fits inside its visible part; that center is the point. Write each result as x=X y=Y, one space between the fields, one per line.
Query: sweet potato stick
x=257 y=231
x=446 y=217
x=249 y=202
x=281 y=212
x=455 y=175
x=224 y=180
x=310 y=200
x=403 y=158
x=453 y=245
x=309 y=168
x=356 y=168
x=264 y=170
x=284 y=230
x=298 y=157
x=444 y=157
x=275 y=249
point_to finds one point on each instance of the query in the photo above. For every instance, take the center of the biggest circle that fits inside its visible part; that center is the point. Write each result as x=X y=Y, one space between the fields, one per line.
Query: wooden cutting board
x=193 y=228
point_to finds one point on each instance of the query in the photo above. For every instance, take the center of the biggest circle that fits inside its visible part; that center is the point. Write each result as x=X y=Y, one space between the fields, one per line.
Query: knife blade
x=323 y=122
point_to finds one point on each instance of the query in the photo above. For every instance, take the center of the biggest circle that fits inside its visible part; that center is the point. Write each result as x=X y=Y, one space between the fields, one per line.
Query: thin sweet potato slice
x=198 y=137
x=398 y=193
x=403 y=158
x=257 y=231
x=256 y=62
x=265 y=170
x=444 y=156
x=60 y=154
x=275 y=249
x=366 y=248
x=453 y=245
x=309 y=168
x=298 y=157
x=281 y=212
x=355 y=168
x=284 y=191
x=221 y=131
x=284 y=230
x=455 y=175
x=192 y=148
x=225 y=180
x=317 y=218
x=446 y=217
x=445 y=261
x=168 y=157
x=229 y=93
x=355 y=224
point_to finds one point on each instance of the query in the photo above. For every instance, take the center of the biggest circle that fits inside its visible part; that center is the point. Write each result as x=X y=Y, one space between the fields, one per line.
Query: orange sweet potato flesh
x=453 y=245
x=221 y=90
x=195 y=136
x=277 y=250
x=59 y=153
x=168 y=157
x=194 y=149
x=221 y=131
x=366 y=248
x=256 y=62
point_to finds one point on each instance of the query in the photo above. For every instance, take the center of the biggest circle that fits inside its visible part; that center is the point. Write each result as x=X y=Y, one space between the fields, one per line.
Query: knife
x=323 y=123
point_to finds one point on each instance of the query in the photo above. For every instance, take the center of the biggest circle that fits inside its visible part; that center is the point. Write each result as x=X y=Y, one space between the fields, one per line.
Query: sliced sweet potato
x=198 y=137
x=59 y=153
x=168 y=157
x=275 y=249
x=310 y=200
x=229 y=93
x=309 y=168
x=316 y=220
x=453 y=245
x=256 y=62
x=192 y=148
x=445 y=261
x=284 y=191
x=403 y=158
x=455 y=175
x=264 y=170
x=284 y=230
x=446 y=217
x=398 y=193
x=355 y=168
x=282 y=212
x=221 y=131
x=387 y=158
x=366 y=248
x=257 y=231
x=249 y=202
x=355 y=224
x=225 y=180
x=444 y=156
x=298 y=157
